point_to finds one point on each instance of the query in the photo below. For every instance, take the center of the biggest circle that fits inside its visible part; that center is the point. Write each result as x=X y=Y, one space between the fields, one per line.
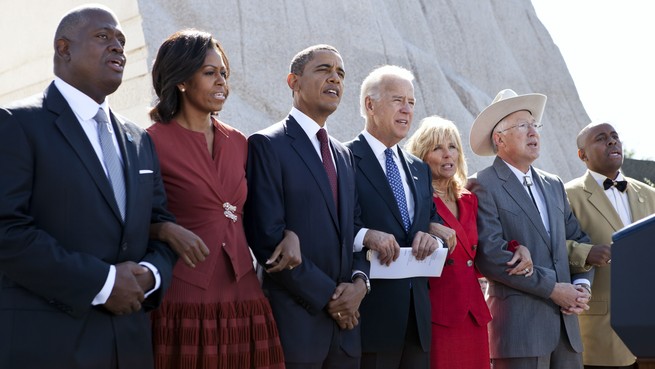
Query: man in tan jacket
x=604 y=201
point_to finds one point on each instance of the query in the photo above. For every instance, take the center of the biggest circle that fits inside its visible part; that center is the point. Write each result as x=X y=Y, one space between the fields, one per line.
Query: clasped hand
x=344 y=306
x=571 y=299
x=131 y=283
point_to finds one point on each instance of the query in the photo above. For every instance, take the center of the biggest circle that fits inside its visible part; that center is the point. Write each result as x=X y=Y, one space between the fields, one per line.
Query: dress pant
x=562 y=358
x=411 y=356
x=336 y=359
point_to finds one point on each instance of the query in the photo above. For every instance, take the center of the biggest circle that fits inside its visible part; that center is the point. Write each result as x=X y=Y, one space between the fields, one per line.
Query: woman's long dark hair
x=178 y=58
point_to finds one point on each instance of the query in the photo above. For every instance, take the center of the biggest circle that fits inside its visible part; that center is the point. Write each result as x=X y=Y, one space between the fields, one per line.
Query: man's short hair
x=305 y=56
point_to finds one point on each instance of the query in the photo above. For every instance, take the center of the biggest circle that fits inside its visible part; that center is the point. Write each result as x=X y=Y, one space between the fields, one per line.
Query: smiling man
x=301 y=179
x=80 y=187
x=604 y=201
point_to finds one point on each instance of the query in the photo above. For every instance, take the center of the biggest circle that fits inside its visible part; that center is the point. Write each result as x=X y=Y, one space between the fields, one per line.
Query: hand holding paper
x=406 y=265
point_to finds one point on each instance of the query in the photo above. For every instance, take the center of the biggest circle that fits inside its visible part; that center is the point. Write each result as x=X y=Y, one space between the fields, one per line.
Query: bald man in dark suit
x=80 y=187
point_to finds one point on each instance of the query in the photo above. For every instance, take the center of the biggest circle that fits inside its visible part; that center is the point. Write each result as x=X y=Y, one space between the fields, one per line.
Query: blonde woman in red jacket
x=459 y=311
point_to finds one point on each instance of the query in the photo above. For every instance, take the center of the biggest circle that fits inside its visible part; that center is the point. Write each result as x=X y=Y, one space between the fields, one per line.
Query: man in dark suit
x=301 y=179
x=395 y=197
x=79 y=193
x=534 y=318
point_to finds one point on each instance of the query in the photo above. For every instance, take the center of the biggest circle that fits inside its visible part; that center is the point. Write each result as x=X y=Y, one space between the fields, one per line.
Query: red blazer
x=457 y=292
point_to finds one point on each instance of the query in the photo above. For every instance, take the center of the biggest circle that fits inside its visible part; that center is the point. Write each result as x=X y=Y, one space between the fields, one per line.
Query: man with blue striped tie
x=395 y=195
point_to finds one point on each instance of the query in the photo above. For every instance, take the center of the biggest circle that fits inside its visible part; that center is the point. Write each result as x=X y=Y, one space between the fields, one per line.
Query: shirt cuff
x=582 y=281
x=105 y=292
x=155 y=272
x=355 y=272
x=358 y=245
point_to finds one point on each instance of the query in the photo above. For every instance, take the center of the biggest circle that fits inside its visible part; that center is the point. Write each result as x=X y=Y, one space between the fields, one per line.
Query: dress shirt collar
x=519 y=175
x=84 y=107
x=378 y=147
x=307 y=124
x=601 y=178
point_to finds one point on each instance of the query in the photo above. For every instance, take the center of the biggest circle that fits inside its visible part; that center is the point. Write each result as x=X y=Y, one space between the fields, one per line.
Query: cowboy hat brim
x=480 y=137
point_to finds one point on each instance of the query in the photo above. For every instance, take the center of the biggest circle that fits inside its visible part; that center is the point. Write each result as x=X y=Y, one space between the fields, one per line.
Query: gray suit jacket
x=526 y=323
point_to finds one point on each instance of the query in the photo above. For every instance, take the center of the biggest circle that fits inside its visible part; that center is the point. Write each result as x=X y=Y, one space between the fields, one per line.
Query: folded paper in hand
x=407 y=266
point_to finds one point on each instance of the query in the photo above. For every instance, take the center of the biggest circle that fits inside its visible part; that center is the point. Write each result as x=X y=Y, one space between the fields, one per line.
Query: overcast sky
x=608 y=47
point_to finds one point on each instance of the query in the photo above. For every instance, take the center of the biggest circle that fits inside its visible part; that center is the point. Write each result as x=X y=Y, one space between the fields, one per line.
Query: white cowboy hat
x=505 y=103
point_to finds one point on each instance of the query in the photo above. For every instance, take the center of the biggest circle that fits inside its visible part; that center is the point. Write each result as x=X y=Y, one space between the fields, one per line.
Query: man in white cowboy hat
x=534 y=318
x=604 y=201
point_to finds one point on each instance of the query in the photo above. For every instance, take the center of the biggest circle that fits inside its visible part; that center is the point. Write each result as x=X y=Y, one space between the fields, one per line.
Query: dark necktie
x=112 y=162
x=527 y=181
x=620 y=185
x=396 y=183
x=328 y=164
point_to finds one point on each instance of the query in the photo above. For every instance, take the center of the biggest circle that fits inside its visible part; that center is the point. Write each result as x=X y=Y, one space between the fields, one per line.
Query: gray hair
x=371 y=84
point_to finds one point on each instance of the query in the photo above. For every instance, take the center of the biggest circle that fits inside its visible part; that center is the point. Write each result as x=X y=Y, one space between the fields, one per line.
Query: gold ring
x=339 y=314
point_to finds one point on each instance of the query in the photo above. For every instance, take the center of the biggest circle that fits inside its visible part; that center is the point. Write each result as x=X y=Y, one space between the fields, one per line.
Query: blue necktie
x=393 y=176
x=112 y=162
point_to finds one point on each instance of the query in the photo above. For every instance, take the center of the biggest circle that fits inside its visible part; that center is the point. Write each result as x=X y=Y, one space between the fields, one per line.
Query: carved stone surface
x=462 y=53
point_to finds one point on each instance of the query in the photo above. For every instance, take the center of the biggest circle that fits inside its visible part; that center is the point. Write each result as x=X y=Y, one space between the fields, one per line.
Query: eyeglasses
x=524 y=127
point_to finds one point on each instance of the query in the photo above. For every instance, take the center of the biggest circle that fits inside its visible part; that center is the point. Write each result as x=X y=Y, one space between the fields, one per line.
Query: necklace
x=443 y=195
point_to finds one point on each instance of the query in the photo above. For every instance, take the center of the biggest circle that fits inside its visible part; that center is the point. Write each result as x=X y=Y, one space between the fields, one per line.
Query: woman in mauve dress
x=214 y=314
x=459 y=311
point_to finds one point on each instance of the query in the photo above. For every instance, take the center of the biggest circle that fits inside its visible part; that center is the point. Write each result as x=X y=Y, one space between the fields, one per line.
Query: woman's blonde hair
x=435 y=130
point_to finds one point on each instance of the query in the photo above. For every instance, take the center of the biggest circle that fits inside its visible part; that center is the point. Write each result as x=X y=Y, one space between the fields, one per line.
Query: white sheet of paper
x=407 y=266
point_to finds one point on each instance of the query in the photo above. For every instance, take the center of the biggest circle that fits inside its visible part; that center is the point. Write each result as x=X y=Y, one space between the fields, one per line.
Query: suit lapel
x=517 y=192
x=454 y=223
x=638 y=202
x=303 y=146
x=409 y=166
x=72 y=131
x=598 y=199
x=370 y=167
x=341 y=161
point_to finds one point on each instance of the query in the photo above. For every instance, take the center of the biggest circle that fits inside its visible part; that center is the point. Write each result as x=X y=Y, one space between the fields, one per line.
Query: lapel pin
x=415 y=178
x=129 y=136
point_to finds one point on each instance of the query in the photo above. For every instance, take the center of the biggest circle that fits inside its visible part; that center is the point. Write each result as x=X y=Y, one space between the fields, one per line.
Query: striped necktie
x=112 y=161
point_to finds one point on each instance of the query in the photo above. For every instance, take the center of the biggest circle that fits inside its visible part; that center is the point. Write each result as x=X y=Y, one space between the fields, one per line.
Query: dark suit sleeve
x=29 y=256
x=265 y=222
x=159 y=253
x=359 y=258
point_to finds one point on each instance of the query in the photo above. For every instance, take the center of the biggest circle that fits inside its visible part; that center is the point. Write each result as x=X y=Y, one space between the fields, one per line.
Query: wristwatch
x=586 y=287
x=363 y=277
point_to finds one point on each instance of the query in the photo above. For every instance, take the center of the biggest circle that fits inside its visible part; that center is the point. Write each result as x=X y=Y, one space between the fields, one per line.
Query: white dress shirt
x=541 y=205
x=311 y=128
x=618 y=199
x=536 y=192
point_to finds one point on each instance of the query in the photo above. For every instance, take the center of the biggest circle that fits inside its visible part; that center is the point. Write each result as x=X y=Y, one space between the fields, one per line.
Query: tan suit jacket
x=599 y=219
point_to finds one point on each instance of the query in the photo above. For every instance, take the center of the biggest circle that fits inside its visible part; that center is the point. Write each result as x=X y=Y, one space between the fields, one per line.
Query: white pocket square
x=145 y=171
